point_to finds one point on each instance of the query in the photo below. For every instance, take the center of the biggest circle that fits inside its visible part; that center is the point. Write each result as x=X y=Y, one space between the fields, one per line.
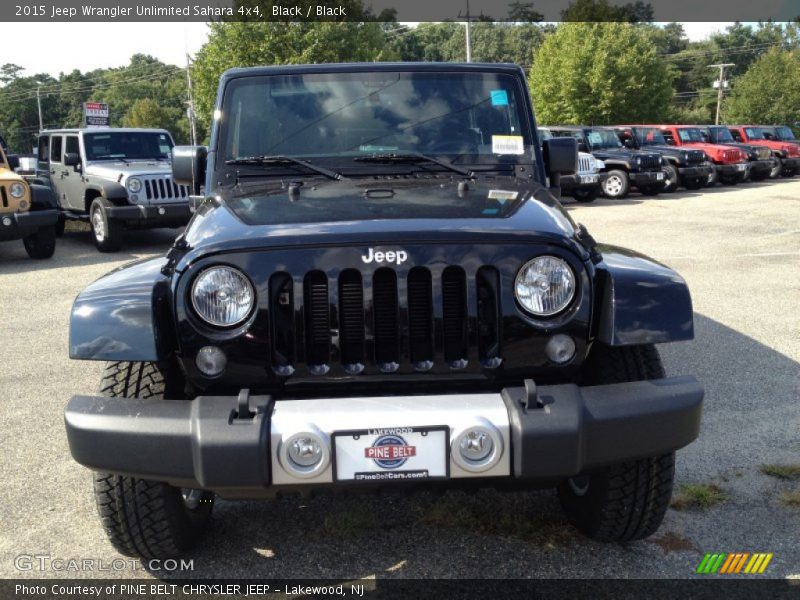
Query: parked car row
x=661 y=158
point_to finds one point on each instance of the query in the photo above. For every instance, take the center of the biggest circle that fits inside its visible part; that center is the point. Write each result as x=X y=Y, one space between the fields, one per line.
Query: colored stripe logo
x=734 y=563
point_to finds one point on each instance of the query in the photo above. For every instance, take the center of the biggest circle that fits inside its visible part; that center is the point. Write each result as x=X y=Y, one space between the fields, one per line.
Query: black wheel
x=787 y=172
x=729 y=180
x=60 y=225
x=777 y=169
x=625 y=501
x=107 y=233
x=651 y=190
x=671 y=178
x=616 y=184
x=41 y=244
x=585 y=194
x=694 y=184
x=148 y=519
x=713 y=177
x=758 y=175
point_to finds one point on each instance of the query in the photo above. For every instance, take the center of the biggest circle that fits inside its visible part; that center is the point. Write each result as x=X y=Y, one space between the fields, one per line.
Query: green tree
x=769 y=92
x=600 y=73
x=601 y=11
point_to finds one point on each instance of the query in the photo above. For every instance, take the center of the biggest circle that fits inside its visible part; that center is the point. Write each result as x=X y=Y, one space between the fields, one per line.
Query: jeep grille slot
x=281 y=310
x=420 y=315
x=384 y=298
x=488 y=283
x=317 y=315
x=585 y=165
x=454 y=316
x=163 y=188
x=351 y=318
x=4 y=195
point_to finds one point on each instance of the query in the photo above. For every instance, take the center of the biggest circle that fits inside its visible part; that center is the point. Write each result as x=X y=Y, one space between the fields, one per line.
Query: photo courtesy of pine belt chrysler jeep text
x=378 y=290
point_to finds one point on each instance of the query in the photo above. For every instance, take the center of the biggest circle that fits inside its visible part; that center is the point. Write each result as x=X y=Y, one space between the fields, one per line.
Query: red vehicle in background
x=781 y=133
x=788 y=153
x=730 y=164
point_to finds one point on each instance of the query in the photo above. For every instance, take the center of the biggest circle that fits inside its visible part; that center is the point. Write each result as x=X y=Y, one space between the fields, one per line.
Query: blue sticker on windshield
x=499 y=98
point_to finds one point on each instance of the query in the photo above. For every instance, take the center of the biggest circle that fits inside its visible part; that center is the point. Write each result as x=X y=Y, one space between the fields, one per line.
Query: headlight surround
x=17 y=190
x=545 y=286
x=134 y=185
x=222 y=296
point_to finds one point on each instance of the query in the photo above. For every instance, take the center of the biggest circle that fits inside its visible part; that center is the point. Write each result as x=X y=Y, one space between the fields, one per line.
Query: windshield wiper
x=267 y=161
x=414 y=157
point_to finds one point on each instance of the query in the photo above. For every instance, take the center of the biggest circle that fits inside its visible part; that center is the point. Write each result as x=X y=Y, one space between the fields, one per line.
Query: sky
x=87 y=46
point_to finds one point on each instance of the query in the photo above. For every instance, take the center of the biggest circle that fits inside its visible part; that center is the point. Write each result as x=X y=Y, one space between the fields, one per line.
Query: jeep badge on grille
x=392 y=256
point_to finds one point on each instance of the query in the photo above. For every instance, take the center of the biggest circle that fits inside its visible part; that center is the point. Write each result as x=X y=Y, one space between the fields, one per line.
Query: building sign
x=95 y=114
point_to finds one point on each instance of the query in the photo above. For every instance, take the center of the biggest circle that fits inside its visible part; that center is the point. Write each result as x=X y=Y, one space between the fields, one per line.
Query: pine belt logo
x=734 y=563
x=390 y=451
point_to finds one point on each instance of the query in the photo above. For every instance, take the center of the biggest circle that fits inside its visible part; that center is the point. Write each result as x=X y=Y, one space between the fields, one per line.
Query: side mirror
x=72 y=159
x=13 y=161
x=189 y=167
x=560 y=158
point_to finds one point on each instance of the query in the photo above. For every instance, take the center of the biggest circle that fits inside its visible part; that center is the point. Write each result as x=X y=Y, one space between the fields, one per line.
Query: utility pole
x=468 y=18
x=720 y=83
x=39 y=103
x=192 y=120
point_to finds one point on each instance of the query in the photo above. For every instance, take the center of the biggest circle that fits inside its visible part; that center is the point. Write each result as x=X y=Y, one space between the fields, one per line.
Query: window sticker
x=507 y=144
x=499 y=98
x=503 y=195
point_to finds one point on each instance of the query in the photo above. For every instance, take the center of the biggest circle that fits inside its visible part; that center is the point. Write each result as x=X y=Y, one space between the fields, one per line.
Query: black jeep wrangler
x=625 y=168
x=684 y=168
x=378 y=291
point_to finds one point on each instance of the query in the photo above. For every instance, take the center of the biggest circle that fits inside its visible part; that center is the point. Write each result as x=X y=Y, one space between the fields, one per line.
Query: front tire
x=713 y=176
x=617 y=184
x=107 y=233
x=585 y=194
x=694 y=184
x=671 y=179
x=142 y=518
x=41 y=244
x=776 y=170
x=625 y=501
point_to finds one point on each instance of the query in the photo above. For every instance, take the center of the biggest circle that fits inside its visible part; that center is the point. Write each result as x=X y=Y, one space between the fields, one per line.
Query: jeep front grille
x=651 y=162
x=163 y=188
x=385 y=320
x=696 y=157
x=585 y=165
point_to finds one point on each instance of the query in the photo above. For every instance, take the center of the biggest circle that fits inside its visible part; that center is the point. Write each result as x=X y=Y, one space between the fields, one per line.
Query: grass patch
x=501 y=515
x=786 y=472
x=698 y=496
x=790 y=498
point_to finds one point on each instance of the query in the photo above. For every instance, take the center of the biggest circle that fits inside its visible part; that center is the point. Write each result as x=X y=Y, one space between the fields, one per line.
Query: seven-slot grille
x=585 y=164
x=650 y=162
x=385 y=320
x=696 y=157
x=163 y=188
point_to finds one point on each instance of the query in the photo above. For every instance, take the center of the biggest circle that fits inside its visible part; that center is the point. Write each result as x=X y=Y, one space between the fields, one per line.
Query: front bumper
x=760 y=166
x=578 y=181
x=555 y=433
x=730 y=170
x=699 y=172
x=647 y=178
x=157 y=215
x=791 y=162
x=14 y=226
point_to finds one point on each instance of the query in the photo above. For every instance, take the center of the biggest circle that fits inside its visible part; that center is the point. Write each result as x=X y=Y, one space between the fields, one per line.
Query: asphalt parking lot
x=738 y=248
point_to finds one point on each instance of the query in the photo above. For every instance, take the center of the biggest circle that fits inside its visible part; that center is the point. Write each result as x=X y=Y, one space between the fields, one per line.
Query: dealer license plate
x=741 y=167
x=659 y=176
x=391 y=454
x=588 y=178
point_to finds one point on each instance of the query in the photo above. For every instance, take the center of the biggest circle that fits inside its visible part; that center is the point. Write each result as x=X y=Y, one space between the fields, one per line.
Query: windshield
x=338 y=117
x=127 y=145
x=650 y=136
x=693 y=134
x=720 y=135
x=602 y=138
x=784 y=133
x=754 y=133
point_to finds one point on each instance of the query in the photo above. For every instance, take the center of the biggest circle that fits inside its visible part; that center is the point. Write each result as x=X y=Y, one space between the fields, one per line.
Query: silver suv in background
x=586 y=184
x=116 y=178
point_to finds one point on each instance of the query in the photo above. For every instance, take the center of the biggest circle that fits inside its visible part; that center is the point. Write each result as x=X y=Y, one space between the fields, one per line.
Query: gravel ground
x=739 y=249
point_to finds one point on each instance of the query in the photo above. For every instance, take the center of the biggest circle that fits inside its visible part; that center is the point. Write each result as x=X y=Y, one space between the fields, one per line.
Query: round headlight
x=134 y=185
x=17 y=190
x=545 y=286
x=222 y=296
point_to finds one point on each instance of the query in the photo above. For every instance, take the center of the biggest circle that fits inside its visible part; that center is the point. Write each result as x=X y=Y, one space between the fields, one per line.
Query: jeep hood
x=378 y=210
x=118 y=170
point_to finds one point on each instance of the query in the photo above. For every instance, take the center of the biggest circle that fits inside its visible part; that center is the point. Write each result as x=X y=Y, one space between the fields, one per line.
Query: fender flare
x=615 y=163
x=109 y=190
x=124 y=315
x=42 y=196
x=639 y=300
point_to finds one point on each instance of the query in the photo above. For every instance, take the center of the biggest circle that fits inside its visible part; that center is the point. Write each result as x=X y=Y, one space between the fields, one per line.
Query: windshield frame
x=785 y=128
x=87 y=135
x=754 y=133
x=641 y=132
x=606 y=133
x=531 y=159
x=714 y=135
x=688 y=139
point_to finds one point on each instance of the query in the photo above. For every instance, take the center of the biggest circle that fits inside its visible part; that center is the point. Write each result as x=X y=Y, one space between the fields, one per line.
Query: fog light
x=304 y=454
x=560 y=349
x=478 y=447
x=162 y=210
x=211 y=361
x=23 y=204
x=7 y=221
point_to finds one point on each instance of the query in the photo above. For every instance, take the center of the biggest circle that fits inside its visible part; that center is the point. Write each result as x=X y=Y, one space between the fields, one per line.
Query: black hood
x=622 y=153
x=385 y=209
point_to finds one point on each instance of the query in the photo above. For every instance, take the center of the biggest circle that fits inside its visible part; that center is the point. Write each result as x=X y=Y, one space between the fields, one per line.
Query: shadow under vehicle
x=379 y=292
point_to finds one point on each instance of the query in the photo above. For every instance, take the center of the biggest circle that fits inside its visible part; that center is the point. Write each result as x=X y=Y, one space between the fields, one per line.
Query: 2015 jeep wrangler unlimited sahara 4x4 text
x=377 y=290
